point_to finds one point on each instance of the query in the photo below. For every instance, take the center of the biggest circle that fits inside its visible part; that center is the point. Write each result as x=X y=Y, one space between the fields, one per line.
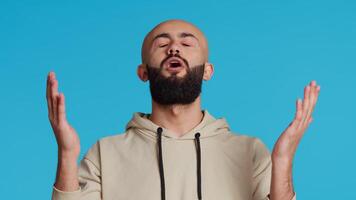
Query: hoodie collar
x=209 y=126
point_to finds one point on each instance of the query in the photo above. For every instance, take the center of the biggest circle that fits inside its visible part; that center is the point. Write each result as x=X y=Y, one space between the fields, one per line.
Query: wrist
x=282 y=168
x=282 y=160
x=67 y=157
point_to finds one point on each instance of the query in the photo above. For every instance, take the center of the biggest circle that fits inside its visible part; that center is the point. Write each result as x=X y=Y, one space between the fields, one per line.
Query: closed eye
x=162 y=45
x=186 y=45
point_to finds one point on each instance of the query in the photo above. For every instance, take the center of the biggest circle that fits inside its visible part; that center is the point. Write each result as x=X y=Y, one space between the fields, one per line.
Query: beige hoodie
x=138 y=165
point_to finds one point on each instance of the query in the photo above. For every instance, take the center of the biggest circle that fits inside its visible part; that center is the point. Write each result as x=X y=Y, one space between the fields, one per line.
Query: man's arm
x=67 y=173
x=286 y=145
x=66 y=136
x=281 y=181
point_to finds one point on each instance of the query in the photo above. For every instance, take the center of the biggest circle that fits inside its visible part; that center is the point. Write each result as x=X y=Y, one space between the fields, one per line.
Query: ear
x=208 y=71
x=142 y=72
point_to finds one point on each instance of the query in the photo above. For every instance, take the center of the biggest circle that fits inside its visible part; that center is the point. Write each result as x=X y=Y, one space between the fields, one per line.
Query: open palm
x=287 y=143
x=66 y=136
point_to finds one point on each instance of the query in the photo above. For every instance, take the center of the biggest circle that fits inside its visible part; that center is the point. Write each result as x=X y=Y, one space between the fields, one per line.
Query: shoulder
x=112 y=139
x=257 y=150
x=102 y=145
x=242 y=138
x=245 y=142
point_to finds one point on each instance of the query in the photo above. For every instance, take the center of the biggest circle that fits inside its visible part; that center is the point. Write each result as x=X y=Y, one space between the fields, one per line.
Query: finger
x=54 y=96
x=48 y=95
x=299 y=112
x=305 y=104
x=61 y=109
x=311 y=100
x=48 y=85
x=316 y=94
x=314 y=99
x=298 y=115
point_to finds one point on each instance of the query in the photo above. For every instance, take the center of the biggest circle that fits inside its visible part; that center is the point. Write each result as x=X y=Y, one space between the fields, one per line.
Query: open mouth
x=174 y=64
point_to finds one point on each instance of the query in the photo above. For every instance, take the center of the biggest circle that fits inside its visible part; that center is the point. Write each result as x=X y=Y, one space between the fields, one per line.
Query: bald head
x=175 y=31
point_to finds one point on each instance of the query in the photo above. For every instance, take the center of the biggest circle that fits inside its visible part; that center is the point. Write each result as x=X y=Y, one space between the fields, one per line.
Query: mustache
x=177 y=56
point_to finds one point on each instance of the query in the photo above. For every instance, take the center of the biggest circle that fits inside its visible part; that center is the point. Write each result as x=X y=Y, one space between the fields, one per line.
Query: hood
x=208 y=127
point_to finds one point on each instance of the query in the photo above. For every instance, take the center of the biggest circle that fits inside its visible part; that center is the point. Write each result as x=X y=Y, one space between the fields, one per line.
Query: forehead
x=174 y=28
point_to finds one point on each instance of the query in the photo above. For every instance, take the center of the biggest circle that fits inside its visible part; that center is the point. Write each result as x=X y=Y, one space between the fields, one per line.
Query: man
x=178 y=152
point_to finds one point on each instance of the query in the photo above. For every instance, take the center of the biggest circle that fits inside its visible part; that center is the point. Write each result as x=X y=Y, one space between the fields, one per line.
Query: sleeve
x=293 y=198
x=89 y=176
x=262 y=172
x=262 y=169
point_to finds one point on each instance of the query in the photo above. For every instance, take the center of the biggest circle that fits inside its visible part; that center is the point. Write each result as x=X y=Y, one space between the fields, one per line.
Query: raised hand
x=66 y=136
x=287 y=143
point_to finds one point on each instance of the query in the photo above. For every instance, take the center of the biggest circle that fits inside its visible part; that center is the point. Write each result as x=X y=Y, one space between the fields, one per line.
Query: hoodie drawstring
x=160 y=160
x=197 y=135
x=161 y=172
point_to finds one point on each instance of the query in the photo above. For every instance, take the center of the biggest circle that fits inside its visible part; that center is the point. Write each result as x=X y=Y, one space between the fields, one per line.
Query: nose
x=173 y=49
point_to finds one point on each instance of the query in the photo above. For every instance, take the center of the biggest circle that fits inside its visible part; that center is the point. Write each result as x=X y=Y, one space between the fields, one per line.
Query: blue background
x=264 y=52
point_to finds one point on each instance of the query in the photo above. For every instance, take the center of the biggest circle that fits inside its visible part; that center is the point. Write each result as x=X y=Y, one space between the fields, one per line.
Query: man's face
x=175 y=54
x=178 y=38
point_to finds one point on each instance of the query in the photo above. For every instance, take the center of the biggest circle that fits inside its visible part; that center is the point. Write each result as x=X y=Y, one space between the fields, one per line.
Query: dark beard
x=173 y=89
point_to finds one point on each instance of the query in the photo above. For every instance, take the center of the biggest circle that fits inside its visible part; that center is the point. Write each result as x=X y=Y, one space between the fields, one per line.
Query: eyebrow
x=181 y=35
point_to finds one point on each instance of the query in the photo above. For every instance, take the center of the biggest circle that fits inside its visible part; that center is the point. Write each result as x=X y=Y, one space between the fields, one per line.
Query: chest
x=224 y=175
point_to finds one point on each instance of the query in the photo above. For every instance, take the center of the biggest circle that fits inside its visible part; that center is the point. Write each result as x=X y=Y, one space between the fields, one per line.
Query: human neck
x=179 y=119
